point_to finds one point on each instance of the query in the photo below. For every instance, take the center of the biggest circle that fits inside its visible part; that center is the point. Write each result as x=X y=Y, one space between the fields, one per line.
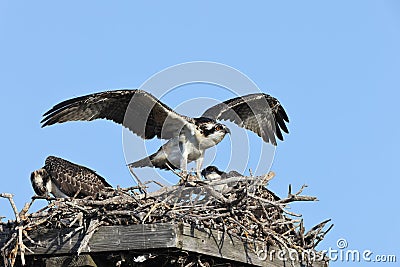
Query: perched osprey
x=188 y=138
x=65 y=179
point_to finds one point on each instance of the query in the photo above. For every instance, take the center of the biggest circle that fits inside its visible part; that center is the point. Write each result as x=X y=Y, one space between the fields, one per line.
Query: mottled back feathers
x=69 y=178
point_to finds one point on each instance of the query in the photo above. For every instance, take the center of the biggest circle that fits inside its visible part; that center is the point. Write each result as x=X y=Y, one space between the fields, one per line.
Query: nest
x=248 y=210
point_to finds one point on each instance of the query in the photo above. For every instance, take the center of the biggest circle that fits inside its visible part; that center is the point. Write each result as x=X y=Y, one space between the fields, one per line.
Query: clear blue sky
x=335 y=66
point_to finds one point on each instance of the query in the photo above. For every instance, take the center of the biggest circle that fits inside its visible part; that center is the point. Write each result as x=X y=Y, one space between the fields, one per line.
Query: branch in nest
x=12 y=203
x=93 y=226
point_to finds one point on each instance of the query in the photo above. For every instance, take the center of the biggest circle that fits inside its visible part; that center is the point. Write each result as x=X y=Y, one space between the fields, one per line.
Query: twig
x=93 y=226
x=12 y=203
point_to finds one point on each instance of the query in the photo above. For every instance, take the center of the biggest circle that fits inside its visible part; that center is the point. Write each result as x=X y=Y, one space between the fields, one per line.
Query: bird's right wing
x=137 y=110
x=259 y=113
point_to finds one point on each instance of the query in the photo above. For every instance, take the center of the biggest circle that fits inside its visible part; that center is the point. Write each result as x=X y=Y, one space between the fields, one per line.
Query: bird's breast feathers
x=174 y=149
x=55 y=190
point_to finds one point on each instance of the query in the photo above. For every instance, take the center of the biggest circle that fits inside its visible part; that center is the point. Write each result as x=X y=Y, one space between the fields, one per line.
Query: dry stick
x=230 y=180
x=93 y=226
x=162 y=191
x=200 y=263
x=70 y=234
x=182 y=176
x=163 y=203
x=190 y=264
x=25 y=209
x=109 y=201
x=294 y=227
x=21 y=245
x=216 y=194
x=280 y=241
x=12 y=203
x=6 y=245
x=279 y=205
x=251 y=173
x=316 y=231
x=79 y=217
x=301 y=233
x=142 y=187
x=19 y=228
x=73 y=204
x=156 y=182
x=264 y=180
x=31 y=240
x=48 y=198
x=296 y=197
x=323 y=235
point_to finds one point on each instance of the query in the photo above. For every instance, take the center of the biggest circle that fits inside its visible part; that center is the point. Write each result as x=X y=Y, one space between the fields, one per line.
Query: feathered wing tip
x=137 y=110
x=109 y=105
x=259 y=113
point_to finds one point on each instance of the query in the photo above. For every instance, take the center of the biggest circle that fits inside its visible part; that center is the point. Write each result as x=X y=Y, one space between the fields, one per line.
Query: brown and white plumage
x=146 y=116
x=64 y=179
x=259 y=113
x=187 y=137
x=212 y=173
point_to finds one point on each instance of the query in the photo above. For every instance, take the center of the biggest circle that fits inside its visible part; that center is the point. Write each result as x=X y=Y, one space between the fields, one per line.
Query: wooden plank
x=218 y=244
x=155 y=236
x=106 y=239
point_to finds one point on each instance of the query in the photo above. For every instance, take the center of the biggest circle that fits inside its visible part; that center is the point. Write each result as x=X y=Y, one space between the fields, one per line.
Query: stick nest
x=247 y=210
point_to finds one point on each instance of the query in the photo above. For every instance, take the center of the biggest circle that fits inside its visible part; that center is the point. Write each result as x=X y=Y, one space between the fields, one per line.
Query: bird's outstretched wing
x=260 y=113
x=71 y=178
x=137 y=110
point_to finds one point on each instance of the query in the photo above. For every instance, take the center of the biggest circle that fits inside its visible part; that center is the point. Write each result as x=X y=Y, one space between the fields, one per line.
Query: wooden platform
x=58 y=250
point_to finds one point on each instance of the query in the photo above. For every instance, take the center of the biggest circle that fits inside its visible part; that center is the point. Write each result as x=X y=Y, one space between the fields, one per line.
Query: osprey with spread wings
x=188 y=138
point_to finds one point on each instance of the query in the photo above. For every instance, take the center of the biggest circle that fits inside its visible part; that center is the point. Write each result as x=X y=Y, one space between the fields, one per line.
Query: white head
x=39 y=180
x=211 y=133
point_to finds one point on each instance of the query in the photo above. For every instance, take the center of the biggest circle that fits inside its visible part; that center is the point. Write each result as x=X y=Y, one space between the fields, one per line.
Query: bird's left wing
x=71 y=178
x=139 y=111
x=260 y=113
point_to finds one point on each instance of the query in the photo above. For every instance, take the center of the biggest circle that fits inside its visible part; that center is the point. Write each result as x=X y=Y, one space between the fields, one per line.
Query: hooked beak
x=227 y=130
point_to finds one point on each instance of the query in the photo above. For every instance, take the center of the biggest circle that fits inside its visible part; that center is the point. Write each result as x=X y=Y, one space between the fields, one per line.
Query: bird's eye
x=218 y=127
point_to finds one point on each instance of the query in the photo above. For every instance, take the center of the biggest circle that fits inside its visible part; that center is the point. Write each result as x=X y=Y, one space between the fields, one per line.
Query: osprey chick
x=212 y=173
x=65 y=179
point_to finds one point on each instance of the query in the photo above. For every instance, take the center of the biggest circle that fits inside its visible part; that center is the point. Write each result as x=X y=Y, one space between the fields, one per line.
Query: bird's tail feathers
x=145 y=162
x=153 y=161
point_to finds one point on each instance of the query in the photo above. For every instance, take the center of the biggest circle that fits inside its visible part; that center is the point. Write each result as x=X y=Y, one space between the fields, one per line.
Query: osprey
x=188 y=138
x=212 y=173
x=65 y=179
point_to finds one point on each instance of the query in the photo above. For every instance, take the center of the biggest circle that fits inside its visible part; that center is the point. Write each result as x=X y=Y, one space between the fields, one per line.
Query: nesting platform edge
x=60 y=243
